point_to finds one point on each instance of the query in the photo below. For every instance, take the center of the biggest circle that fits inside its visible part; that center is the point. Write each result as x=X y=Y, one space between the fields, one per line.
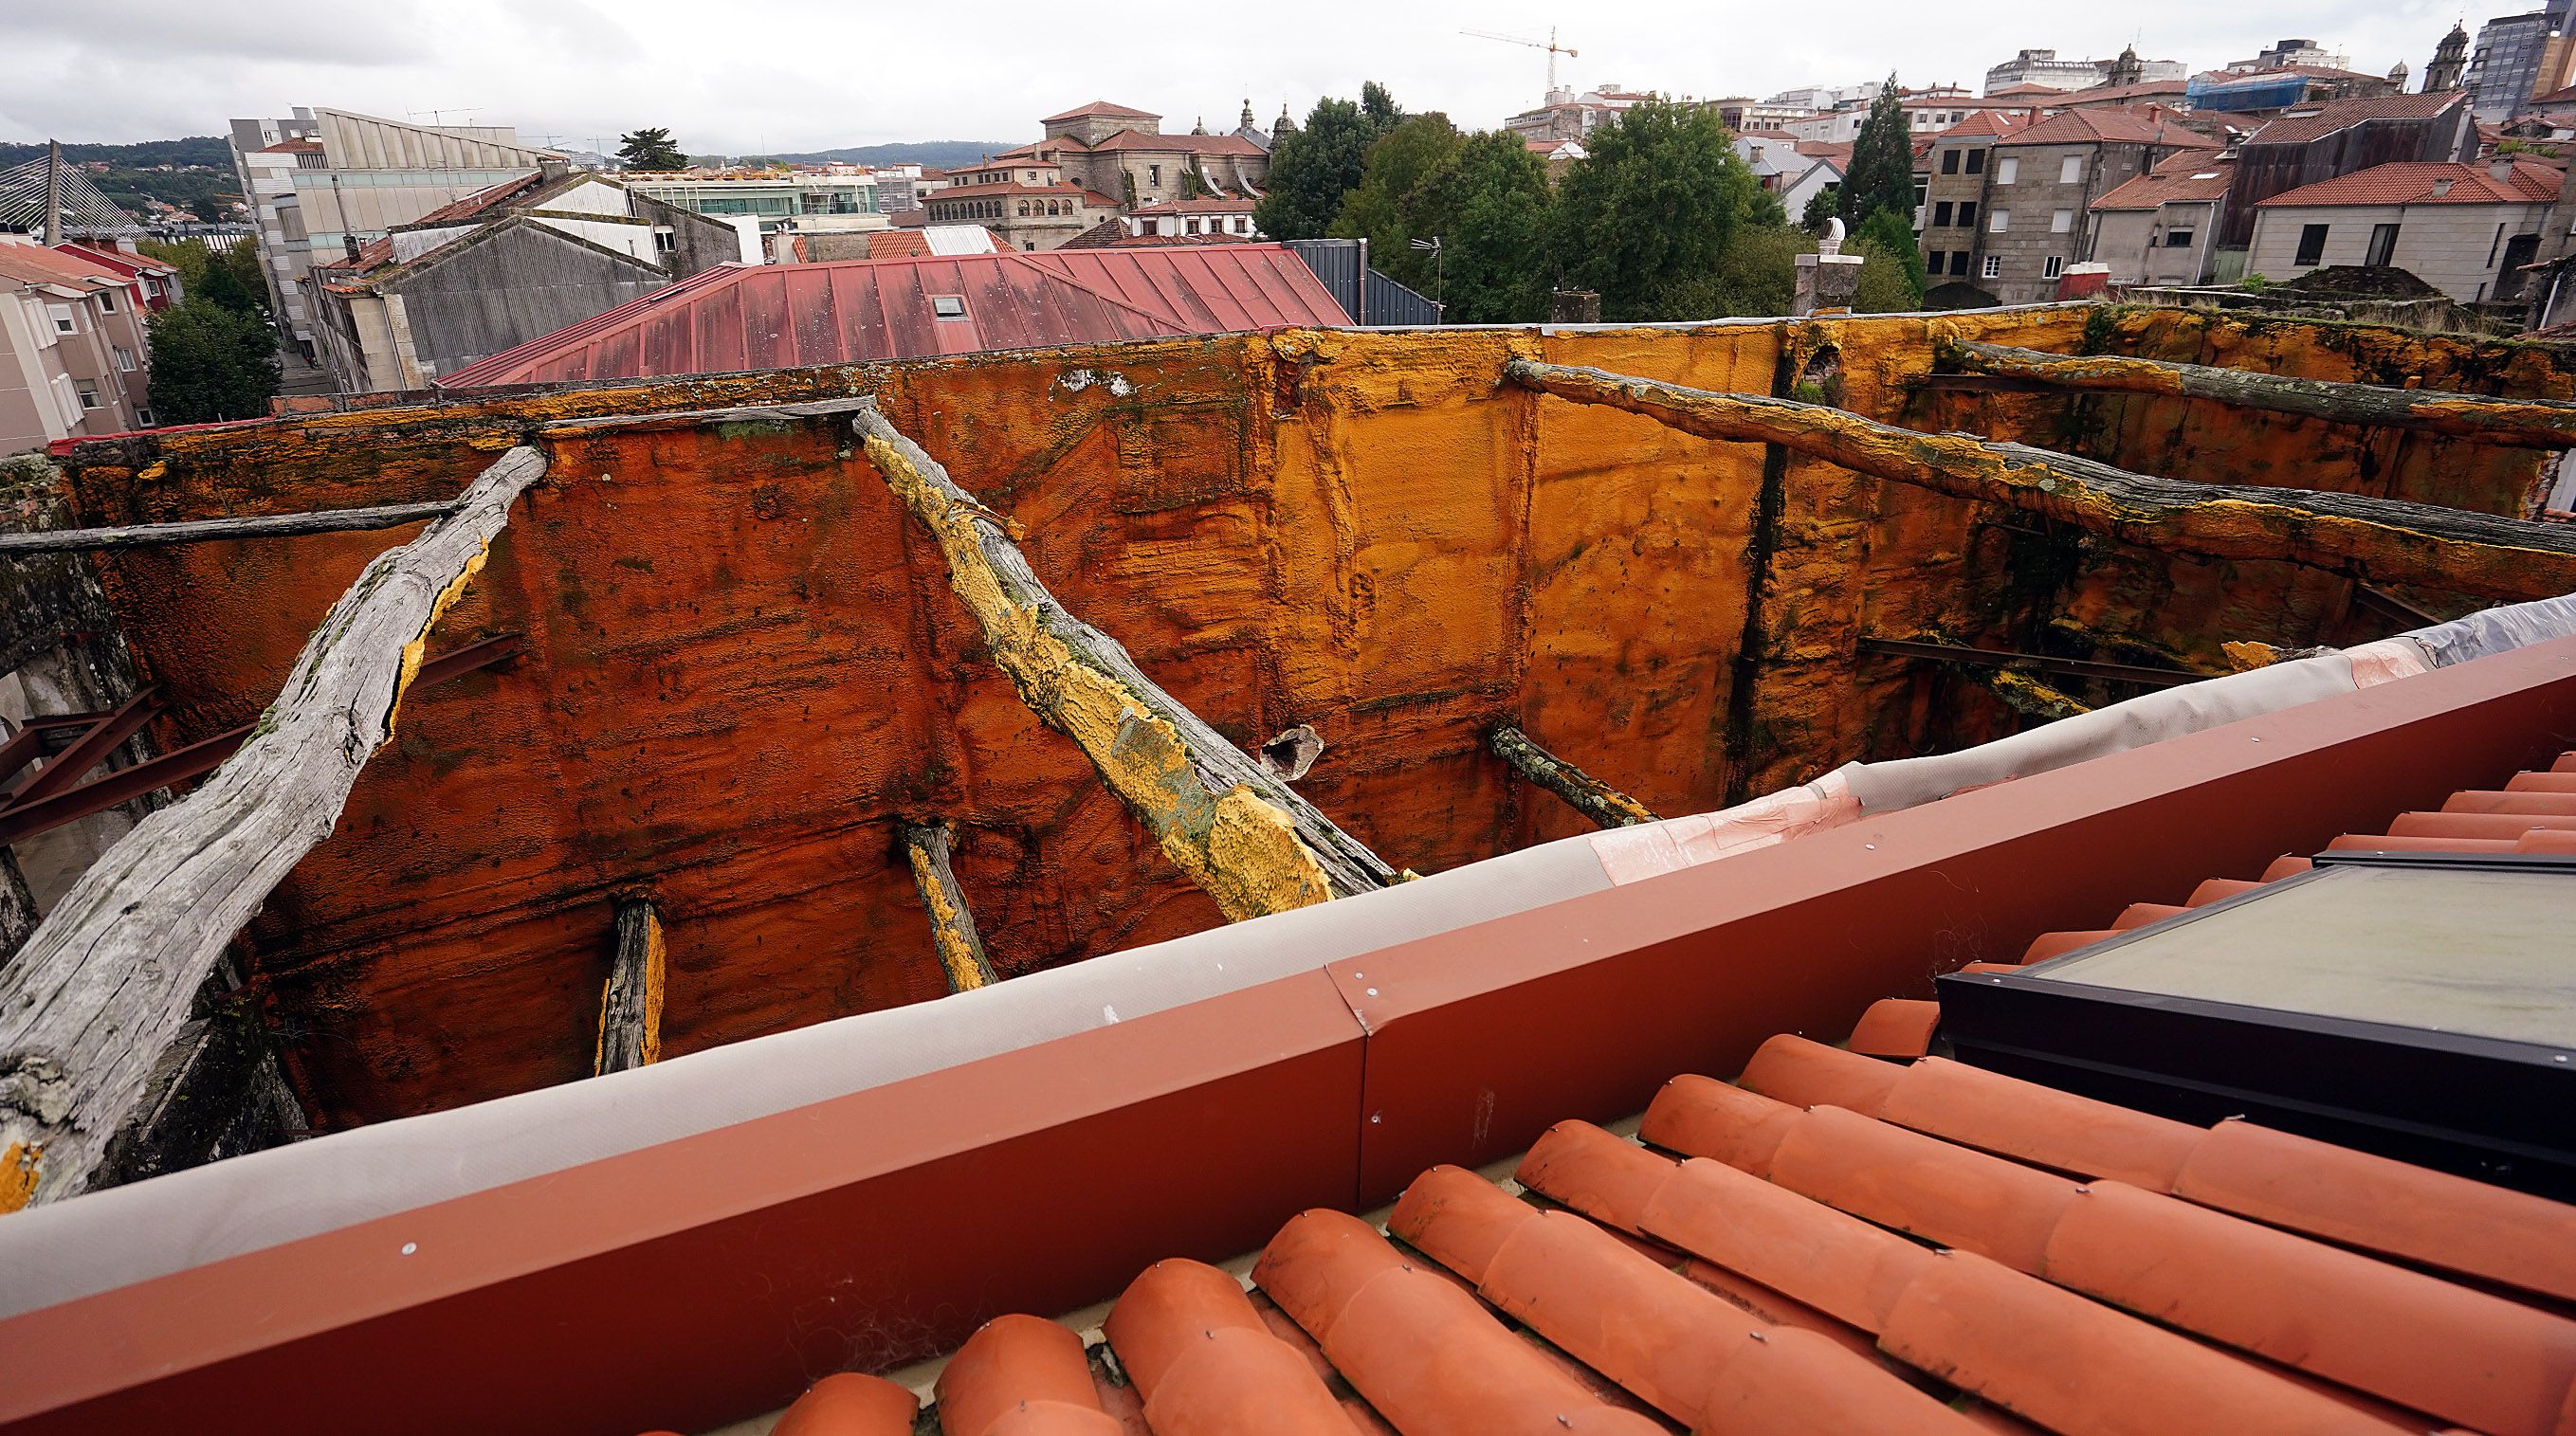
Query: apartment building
x=496 y=269
x=73 y=357
x=2008 y=215
x=2162 y=227
x=2466 y=229
x=1121 y=154
x=321 y=183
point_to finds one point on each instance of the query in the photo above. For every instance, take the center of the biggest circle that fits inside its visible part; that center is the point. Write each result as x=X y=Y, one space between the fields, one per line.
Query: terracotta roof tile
x=2146 y=125
x=2193 y=176
x=1024 y=1371
x=1758 y=1261
x=1896 y=1027
x=850 y=1405
x=2408 y=183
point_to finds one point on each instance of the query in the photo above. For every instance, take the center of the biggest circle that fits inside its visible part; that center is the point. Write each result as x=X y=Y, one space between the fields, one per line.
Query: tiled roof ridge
x=2416 y=181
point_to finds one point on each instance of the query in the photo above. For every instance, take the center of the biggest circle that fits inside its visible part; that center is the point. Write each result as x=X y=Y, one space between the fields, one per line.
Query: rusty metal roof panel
x=739 y=317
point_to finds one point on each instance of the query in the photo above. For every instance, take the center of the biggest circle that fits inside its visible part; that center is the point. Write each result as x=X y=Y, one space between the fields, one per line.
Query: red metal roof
x=738 y=317
x=2527 y=183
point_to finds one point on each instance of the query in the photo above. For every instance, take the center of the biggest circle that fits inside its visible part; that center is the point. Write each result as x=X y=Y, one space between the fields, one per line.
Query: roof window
x=948 y=306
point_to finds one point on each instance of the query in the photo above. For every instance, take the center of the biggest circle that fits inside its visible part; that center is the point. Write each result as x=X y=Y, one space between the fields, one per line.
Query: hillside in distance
x=944 y=154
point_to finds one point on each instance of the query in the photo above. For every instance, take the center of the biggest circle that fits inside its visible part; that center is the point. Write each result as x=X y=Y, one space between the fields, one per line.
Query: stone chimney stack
x=1828 y=280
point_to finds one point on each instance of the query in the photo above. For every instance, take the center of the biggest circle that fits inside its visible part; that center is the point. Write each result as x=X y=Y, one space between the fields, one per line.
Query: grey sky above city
x=808 y=74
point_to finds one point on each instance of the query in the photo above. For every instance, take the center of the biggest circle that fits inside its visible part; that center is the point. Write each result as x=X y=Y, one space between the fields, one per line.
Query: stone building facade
x=2029 y=201
x=1123 y=155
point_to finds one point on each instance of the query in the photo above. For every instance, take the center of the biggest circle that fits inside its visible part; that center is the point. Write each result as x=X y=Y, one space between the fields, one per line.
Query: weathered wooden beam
x=103 y=985
x=2381 y=540
x=2035 y=662
x=2027 y=693
x=317 y=521
x=952 y=924
x=1604 y=805
x=2529 y=423
x=630 y=1004
x=1235 y=828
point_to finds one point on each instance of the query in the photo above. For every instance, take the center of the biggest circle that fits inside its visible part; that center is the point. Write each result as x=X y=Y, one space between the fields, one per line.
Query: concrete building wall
x=2139 y=247
x=2456 y=248
x=515 y=284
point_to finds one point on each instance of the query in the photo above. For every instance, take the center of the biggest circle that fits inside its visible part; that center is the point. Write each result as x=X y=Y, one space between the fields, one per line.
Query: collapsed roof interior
x=723 y=665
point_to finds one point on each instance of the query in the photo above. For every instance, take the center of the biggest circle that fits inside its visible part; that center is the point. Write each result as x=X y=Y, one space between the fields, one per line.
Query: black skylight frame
x=2500 y=1110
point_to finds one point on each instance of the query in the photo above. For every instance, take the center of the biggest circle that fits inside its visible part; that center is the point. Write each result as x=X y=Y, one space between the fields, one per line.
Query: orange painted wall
x=744 y=664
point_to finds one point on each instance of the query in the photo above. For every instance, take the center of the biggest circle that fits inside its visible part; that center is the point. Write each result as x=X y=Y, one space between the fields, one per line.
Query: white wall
x=627 y=237
x=2449 y=246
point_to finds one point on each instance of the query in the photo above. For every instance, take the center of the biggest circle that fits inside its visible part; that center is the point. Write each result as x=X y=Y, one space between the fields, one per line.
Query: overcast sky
x=816 y=74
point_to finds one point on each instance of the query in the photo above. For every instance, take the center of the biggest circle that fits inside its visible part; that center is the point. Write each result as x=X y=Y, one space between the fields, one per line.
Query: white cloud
x=813 y=74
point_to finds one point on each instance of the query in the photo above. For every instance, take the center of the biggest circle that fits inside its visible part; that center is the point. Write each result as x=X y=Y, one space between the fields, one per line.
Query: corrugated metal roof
x=738 y=317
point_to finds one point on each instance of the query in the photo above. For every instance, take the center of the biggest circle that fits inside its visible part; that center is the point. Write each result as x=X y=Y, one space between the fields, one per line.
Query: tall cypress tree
x=1881 y=176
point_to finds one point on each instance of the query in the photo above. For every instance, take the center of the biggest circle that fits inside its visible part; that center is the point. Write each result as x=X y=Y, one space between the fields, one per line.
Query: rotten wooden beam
x=630 y=1003
x=952 y=923
x=104 y=984
x=1237 y=830
x=2035 y=662
x=317 y=521
x=2381 y=540
x=2027 y=693
x=1606 y=806
x=2528 y=423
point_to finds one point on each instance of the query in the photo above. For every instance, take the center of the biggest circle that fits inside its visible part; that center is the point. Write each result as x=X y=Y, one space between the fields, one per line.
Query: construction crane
x=1552 y=48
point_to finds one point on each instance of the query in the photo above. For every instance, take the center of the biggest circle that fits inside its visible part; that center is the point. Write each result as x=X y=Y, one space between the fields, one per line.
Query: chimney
x=2442 y=188
x=553 y=167
x=2501 y=167
x=349 y=242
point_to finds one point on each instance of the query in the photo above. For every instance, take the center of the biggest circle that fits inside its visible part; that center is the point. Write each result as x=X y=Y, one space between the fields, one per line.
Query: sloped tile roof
x=1986 y=122
x=1856 y=1238
x=2147 y=125
x=2528 y=183
x=31 y=263
x=2198 y=177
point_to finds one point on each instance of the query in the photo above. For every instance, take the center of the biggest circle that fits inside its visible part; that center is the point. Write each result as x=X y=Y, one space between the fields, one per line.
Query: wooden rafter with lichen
x=952 y=923
x=2530 y=423
x=1227 y=822
x=1594 y=799
x=104 y=983
x=630 y=1003
x=2382 y=541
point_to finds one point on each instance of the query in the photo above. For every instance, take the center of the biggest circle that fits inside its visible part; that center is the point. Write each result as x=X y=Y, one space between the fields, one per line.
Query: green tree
x=210 y=363
x=1653 y=210
x=1891 y=234
x=228 y=274
x=650 y=149
x=1757 y=278
x=1826 y=203
x=1490 y=204
x=1881 y=174
x=1313 y=170
x=1391 y=189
